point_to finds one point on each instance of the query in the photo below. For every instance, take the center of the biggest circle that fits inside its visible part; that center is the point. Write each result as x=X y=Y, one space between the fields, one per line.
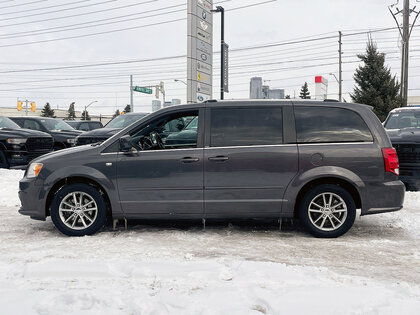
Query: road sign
x=142 y=89
x=225 y=55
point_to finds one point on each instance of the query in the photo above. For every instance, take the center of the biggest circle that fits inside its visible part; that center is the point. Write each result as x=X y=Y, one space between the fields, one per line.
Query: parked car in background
x=19 y=146
x=109 y=129
x=84 y=125
x=62 y=133
x=403 y=128
x=317 y=161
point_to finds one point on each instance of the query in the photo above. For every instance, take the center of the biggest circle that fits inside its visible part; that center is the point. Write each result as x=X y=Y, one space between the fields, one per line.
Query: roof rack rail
x=211 y=101
x=331 y=100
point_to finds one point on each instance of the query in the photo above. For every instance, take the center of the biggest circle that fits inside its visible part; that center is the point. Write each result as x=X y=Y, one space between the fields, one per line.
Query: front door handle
x=218 y=158
x=189 y=159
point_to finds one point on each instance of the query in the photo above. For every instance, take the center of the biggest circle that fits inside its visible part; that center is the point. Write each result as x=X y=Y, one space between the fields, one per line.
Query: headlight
x=33 y=170
x=71 y=141
x=16 y=140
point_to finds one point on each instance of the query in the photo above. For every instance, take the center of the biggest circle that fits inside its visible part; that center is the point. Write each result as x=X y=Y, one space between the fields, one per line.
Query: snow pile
x=373 y=269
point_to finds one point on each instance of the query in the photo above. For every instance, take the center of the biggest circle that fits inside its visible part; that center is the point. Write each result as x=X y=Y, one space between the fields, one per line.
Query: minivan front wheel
x=78 y=210
x=327 y=211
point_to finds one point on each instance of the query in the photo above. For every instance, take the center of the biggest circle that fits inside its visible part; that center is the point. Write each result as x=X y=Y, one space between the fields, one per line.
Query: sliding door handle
x=189 y=159
x=218 y=158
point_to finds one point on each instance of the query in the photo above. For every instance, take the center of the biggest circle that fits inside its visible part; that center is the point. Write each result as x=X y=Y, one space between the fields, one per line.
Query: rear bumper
x=382 y=197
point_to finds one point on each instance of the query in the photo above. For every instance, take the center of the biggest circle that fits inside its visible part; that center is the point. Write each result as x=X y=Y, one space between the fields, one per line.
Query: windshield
x=56 y=124
x=72 y=123
x=403 y=120
x=7 y=123
x=123 y=121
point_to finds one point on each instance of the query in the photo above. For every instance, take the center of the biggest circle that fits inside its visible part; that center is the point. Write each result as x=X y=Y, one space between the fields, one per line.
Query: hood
x=410 y=135
x=65 y=153
x=67 y=134
x=100 y=133
x=22 y=133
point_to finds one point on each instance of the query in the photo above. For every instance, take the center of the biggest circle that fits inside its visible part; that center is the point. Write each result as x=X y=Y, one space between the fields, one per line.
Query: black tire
x=96 y=223
x=3 y=160
x=308 y=221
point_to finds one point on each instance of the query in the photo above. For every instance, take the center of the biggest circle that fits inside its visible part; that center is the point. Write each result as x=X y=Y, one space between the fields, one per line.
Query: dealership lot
x=235 y=269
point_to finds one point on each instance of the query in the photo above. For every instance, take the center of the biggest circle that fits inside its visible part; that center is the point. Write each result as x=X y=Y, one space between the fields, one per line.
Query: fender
x=88 y=173
x=301 y=179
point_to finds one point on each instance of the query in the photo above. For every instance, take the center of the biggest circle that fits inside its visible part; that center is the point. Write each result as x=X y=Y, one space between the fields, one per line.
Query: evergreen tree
x=375 y=85
x=47 y=111
x=71 y=112
x=304 y=92
x=117 y=113
x=127 y=109
x=85 y=115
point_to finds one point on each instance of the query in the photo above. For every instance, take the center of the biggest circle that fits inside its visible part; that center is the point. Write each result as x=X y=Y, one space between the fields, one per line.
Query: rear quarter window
x=329 y=124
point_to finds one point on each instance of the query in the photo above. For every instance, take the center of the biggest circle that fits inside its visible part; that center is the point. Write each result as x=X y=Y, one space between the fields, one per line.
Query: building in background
x=321 y=88
x=259 y=91
x=176 y=101
x=413 y=101
x=156 y=105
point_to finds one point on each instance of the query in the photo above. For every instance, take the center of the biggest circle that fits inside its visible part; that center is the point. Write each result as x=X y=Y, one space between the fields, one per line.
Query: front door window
x=172 y=131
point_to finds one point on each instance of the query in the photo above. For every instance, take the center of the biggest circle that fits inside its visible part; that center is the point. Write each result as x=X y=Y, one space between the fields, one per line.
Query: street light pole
x=177 y=80
x=85 y=113
x=222 y=43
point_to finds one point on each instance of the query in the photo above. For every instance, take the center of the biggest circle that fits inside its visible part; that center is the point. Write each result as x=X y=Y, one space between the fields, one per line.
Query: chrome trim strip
x=334 y=143
x=254 y=146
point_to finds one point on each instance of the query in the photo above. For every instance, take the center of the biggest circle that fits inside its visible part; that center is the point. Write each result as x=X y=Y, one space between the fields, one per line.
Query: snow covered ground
x=235 y=269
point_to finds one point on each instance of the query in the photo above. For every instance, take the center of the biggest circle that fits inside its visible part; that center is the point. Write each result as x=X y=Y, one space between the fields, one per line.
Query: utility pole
x=222 y=48
x=406 y=40
x=405 y=33
x=131 y=93
x=340 y=72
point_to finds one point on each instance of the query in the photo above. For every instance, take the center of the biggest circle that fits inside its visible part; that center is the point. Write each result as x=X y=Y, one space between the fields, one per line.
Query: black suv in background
x=110 y=128
x=19 y=146
x=318 y=161
x=62 y=133
x=403 y=128
x=84 y=125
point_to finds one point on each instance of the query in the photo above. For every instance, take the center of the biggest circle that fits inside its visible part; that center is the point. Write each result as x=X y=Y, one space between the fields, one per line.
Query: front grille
x=86 y=140
x=39 y=144
x=408 y=153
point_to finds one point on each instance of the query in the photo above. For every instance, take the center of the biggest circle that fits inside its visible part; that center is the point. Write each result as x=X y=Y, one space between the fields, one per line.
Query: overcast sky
x=158 y=31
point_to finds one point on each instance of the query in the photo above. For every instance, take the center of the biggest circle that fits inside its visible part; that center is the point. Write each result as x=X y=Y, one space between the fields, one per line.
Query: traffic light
x=33 y=107
x=19 y=105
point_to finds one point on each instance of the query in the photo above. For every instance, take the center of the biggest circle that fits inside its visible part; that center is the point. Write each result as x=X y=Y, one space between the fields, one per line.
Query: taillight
x=391 y=160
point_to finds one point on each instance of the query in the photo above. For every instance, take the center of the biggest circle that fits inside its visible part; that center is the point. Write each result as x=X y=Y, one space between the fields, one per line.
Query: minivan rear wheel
x=327 y=211
x=78 y=210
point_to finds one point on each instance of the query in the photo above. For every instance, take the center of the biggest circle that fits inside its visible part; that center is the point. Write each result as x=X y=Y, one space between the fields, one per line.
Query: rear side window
x=327 y=124
x=246 y=126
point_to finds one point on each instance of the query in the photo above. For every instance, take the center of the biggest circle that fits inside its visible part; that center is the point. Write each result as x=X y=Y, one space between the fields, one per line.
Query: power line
x=48 y=7
x=28 y=33
x=36 y=33
x=61 y=10
x=21 y=4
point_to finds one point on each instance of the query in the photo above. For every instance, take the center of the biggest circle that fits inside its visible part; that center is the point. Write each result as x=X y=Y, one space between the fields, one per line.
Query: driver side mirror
x=125 y=143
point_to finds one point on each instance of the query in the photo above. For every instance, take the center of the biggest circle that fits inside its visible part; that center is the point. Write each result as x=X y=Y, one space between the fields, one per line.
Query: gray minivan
x=317 y=161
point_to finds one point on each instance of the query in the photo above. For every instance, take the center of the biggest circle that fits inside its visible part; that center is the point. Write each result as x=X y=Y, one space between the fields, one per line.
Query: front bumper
x=32 y=197
x=379 y=197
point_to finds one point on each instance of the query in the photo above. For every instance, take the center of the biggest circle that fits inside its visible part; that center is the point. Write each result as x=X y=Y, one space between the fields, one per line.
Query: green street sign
x=142 y=89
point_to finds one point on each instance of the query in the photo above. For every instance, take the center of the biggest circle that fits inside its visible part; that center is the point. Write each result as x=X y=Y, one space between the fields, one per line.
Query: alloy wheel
x=327 y=211
x=78 y=210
